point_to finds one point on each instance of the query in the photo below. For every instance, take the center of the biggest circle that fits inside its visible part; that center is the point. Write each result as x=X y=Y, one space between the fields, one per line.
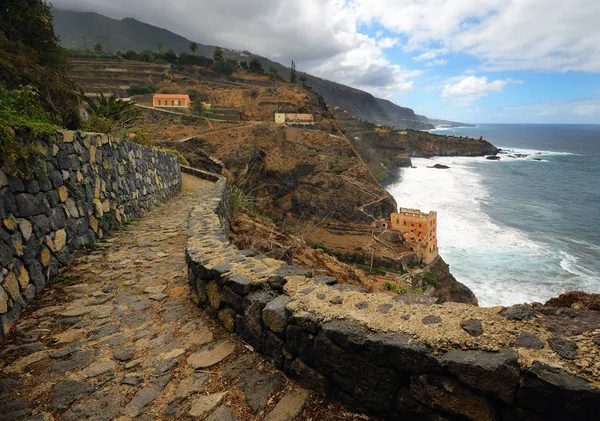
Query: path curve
x=117 y=337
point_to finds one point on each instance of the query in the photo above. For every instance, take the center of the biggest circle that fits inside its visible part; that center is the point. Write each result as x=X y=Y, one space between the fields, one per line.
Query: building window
x=159 y=102
x=172 y=102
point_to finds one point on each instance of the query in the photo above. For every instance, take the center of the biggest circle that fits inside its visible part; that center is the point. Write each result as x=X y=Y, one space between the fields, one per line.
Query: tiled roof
x=170 y=96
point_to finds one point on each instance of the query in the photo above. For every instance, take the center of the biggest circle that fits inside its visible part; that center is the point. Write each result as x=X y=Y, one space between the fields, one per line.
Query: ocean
x=521 y=229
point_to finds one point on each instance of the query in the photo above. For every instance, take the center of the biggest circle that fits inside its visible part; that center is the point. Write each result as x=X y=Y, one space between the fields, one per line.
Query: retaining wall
x=381 y=356
x=90 y=185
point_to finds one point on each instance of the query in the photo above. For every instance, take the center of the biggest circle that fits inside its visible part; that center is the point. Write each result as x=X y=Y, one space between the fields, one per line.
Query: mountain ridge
x=132 y=34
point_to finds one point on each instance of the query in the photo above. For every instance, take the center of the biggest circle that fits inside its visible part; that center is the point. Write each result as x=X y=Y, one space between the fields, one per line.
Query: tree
x=109 y=107
x=273 y=71
x=98 y=48
x=170 y=56
x=218 y=54
x=255 y=66
x=30 y=56
x=197 y=107
x=160 y=45
x=224 y=67
x=244 y=65
x=193 y=47
x=293 y=73
x=303 y=79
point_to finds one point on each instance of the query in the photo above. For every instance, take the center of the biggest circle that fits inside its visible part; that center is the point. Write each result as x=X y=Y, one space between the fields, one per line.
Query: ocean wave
x=503 y=265
x=536 y=152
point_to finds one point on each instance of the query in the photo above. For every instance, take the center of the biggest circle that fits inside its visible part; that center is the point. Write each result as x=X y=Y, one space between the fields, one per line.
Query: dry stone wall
x=397 y=360
x=88 y=185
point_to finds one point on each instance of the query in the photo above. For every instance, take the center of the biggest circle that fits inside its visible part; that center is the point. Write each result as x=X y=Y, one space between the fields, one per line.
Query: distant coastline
x=443 y=128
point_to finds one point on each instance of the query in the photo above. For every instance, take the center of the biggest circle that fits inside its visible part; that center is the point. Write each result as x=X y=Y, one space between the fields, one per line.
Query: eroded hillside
x=315 y=186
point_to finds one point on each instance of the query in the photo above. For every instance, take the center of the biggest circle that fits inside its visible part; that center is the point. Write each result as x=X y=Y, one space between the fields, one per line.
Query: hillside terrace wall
x=400 y=361
x=90 y=185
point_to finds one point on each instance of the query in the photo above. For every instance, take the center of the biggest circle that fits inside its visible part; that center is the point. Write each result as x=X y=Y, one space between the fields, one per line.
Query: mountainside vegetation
x=131 y=35
x=36 y=94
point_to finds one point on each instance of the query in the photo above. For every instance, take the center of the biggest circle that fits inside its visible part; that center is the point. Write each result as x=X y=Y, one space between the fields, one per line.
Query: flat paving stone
x=189 y=386
x=203 y=405
x=289 y=407
x=77 y=360
x=67 y=392
x=222 y=413
x=97 y=368
x=101 y=406
x=142 y=398
x=211 y=354
x=124 y=353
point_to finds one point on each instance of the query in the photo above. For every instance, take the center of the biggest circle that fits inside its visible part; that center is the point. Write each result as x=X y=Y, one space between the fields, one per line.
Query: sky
x=477 y=61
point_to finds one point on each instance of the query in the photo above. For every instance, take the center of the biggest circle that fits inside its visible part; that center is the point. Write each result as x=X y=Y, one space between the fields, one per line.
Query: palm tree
x=193 y=47
x=160 y=45
x=109 y=107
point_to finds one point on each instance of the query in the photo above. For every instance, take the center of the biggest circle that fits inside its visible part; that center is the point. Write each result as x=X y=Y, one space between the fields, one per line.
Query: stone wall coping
x=246 y=292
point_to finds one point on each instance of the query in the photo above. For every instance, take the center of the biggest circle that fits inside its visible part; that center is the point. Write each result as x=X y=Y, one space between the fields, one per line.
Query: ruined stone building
x=419 y=231
x=294 y=118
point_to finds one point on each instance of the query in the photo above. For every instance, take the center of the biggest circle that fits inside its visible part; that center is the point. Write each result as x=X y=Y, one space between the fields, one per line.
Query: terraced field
x=114 y=76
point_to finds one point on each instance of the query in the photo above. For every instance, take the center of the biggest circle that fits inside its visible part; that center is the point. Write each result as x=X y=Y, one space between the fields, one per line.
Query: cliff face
x=423 y=144
x=296 y=173
x=447 y=288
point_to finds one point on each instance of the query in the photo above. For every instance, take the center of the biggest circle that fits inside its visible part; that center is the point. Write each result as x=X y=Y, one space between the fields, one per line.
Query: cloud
x=321 y=36
x=466 y=89
x=437 y=62
x=365 y=67
x=387 y=42
x=538 y=35
x=430 y=54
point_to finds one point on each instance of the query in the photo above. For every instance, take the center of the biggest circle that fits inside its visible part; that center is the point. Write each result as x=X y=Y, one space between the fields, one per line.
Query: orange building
x=419 y=231
x=171 y=100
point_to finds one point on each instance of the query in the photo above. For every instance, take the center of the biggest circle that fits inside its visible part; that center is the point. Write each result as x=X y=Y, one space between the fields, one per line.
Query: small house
x=171 y=100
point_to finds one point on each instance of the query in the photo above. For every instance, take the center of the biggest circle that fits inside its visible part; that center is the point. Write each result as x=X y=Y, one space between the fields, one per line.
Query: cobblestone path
x=117 y=337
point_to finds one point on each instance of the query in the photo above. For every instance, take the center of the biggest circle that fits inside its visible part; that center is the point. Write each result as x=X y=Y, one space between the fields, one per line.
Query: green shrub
x=22 y=122
x=224 y=67
x=390 y=286
x=240 y=200
x=197 y=95
x=197 y=107
x=180 y=157
x=109 y=107
x=430 y=279
x=146 y=88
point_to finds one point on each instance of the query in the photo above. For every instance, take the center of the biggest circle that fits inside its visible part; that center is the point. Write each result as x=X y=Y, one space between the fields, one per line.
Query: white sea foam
x=534 y=152
x=501 y=264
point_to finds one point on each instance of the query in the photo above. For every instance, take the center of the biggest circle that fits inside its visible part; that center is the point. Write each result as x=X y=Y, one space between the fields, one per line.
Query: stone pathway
x=117 y=337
